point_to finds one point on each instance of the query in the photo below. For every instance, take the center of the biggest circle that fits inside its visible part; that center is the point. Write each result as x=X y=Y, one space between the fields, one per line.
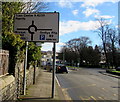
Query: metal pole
x=25 y=67
x=34 y=73
x=53 y=72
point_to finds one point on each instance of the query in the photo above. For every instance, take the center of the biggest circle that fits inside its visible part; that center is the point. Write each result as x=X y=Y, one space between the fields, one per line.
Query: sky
x=78 y=18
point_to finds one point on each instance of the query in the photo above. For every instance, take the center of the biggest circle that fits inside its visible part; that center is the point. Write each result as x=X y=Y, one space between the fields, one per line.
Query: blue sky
x=79 y=19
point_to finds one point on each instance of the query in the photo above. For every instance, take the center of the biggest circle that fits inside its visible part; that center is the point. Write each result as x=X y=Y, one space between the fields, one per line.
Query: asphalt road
x=89 y=84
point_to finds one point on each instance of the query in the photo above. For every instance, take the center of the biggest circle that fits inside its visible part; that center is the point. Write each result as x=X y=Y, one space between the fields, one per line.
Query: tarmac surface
x=42 y=89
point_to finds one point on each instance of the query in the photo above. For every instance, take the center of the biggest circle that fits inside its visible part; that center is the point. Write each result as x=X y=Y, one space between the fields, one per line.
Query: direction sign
x=42 y=27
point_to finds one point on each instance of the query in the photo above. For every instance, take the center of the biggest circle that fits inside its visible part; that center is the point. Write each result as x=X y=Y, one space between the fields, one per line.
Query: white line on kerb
x=57 y=81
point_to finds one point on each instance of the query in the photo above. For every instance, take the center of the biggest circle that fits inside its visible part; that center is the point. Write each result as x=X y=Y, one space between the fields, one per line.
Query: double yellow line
x=88 y=98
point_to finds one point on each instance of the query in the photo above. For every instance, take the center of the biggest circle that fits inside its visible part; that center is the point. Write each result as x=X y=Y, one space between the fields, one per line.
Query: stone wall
x=7 y=88
x=4 y=61
x=11 y=87
x=29 y=78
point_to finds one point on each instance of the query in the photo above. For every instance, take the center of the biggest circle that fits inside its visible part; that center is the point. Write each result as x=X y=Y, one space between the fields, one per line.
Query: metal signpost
x=38 y=27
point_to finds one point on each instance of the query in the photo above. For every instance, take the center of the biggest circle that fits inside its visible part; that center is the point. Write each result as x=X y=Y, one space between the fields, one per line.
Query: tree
x=34 y=54
x=112 y=40
x=102 y=32
x=74 y=48
x=36 y=7
x=11 y=41
x=97 y=55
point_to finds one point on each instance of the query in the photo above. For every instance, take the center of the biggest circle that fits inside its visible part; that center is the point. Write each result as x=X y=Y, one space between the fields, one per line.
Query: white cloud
x=94 y=3
x=73 y=26
x=65 y=3
x=104 y=16
x=86 y=3
x=49 y=46
x=60 y=43
x=90 y=11
x=75 y=12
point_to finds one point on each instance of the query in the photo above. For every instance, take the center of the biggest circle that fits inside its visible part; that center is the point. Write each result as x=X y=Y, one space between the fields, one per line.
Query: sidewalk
x=109 y=74
x=42 y=89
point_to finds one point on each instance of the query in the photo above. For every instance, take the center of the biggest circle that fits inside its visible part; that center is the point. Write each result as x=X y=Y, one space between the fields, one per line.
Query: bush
x=14 y=44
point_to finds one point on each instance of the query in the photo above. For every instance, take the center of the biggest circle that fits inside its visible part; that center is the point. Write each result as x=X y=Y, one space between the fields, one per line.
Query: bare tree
x=102 y=32
x=32 y=6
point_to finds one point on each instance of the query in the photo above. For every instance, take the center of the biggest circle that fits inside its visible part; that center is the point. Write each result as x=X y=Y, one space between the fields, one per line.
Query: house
x=47 y=58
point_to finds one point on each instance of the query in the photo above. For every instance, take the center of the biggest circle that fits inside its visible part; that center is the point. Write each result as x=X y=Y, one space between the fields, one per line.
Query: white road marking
x=57 y=81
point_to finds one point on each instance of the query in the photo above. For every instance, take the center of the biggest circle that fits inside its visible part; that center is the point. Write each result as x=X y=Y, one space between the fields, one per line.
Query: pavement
x=109 y=74
x=42 y=89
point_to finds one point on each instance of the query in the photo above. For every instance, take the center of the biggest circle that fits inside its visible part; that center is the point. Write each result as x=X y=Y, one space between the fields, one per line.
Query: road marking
x=93 y=97
x=101 y=98
x=57 y=81
x=88 y=98
x=82 y=99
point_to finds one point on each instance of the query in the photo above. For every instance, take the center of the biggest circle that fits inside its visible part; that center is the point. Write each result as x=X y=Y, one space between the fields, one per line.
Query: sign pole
x=25 y=67
x=53 y=72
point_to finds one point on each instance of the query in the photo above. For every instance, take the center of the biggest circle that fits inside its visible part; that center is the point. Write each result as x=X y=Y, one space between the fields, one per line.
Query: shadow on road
x=27 y=99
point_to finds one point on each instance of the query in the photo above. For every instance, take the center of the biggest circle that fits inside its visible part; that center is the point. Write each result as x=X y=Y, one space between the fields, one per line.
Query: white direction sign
x=42 y=27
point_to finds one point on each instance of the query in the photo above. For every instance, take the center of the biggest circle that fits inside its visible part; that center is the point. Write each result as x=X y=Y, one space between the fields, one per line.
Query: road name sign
x=43 y=27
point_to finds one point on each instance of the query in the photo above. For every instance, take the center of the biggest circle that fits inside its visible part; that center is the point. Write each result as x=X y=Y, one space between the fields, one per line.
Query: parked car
x=118 y=68
x=61 y=68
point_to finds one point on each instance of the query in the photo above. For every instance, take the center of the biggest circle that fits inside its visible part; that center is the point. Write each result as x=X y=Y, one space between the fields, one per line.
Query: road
x=89 y=84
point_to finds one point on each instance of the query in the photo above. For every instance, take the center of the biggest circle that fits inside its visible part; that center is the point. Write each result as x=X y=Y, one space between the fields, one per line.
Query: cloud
x=90 y=11
x=104 y=16
x=86 y=3
x=65 y=3
x=49 y=46
x=75 y=12
x=60 y=43
x=74 y=26
x=94 y=3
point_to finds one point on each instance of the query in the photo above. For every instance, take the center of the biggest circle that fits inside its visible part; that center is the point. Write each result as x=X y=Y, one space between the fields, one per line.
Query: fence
x=4 y=61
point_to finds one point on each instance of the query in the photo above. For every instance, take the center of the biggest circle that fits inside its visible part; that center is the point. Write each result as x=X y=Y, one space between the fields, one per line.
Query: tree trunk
x=106 y=56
